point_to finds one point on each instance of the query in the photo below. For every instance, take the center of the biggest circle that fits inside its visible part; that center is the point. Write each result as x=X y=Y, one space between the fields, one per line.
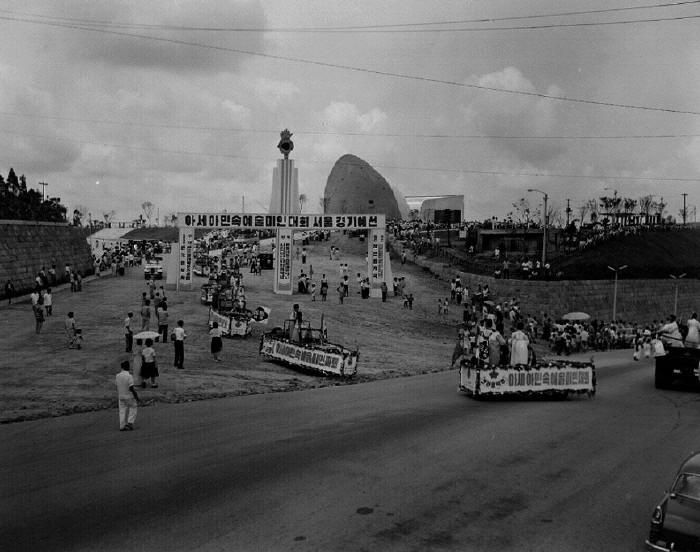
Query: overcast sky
x=110 y=118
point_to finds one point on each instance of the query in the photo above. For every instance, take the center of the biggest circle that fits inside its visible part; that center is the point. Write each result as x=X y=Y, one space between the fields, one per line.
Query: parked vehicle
x=675 y=522
x=677 y=364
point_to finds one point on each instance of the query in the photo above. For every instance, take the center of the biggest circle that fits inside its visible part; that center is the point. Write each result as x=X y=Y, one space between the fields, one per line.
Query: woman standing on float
x=518 y=345
x=693 y=337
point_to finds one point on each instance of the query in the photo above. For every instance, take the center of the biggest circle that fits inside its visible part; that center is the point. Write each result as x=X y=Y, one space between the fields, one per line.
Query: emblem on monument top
x=286 y=145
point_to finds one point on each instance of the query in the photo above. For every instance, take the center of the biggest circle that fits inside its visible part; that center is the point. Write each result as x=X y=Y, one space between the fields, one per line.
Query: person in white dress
x=670 y=334
x=518 y=345
x=693 y=338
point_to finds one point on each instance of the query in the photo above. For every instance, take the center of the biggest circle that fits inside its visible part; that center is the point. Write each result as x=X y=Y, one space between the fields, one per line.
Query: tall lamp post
x=616 y=270
x=675 y=299
x=544 y=229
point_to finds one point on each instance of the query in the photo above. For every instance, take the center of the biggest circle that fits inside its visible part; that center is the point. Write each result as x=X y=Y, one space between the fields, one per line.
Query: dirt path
x=40 y=376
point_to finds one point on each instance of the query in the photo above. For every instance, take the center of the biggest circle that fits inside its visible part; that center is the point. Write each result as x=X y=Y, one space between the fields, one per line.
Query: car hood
x=682 y=516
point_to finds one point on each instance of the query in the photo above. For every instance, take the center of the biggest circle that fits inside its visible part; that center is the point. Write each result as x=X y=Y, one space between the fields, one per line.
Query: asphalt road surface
x=403 y=464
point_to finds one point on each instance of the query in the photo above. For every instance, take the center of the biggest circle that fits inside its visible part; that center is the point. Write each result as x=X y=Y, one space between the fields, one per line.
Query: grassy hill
x=648 y=255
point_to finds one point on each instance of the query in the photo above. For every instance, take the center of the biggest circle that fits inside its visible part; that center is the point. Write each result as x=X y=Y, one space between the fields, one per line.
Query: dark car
x=675 y=523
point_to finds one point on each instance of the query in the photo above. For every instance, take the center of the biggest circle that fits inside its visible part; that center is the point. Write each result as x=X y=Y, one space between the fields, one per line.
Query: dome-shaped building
x=353 y=186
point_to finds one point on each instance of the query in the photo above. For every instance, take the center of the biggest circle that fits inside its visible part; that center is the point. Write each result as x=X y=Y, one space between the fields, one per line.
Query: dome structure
x=353 y=186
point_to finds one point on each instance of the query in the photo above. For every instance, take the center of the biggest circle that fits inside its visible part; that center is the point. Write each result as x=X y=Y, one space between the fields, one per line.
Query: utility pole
x=676 y=279
x=43 y=189
x=544 y=229
x=616 y=270
x=568 y=210
x=242 y=204
x=685 y=213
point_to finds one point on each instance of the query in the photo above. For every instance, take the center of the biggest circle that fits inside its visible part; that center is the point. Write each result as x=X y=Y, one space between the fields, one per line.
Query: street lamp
x=544 y=229
x=616 y=270
x=675 y=300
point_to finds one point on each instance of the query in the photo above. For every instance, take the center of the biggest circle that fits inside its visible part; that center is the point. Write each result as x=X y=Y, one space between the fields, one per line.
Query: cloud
x=344 y=116
x=273 y=92
x=120 y=43
x=239 y=113
x=501 y=114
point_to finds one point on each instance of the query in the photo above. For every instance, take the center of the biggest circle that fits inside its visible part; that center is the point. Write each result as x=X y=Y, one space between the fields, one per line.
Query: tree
x=12 y=182
x=629 y=204
x=582 y=210
x=302 y=200
x=147 y=208
x=555 y=216
x=521 y=212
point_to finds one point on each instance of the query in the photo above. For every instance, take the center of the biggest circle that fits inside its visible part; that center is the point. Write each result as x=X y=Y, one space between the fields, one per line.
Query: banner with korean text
x=255 y=221
x=186 y=251
x=283 y=261
x=325 y=361
x=375 y=260
x=555 y=376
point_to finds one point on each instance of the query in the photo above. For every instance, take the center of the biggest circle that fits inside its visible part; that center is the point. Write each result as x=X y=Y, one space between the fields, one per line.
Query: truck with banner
x=308 y=349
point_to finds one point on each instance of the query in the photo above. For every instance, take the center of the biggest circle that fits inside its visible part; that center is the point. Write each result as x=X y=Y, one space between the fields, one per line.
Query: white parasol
x=576 y=316
x=147 y=335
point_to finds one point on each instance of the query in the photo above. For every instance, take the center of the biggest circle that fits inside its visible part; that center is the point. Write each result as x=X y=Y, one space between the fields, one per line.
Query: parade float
x=544 y=378
x=228 y=308
x=307 y=349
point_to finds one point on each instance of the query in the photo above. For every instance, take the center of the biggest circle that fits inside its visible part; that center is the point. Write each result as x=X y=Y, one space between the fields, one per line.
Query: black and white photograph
x=324 y=276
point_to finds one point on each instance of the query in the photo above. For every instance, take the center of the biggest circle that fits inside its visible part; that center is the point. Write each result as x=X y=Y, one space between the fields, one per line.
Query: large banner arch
x=285 y=224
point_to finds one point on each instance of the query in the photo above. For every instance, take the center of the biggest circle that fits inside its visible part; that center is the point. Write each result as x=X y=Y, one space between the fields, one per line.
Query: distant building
x=447 y=209
x=353 y=186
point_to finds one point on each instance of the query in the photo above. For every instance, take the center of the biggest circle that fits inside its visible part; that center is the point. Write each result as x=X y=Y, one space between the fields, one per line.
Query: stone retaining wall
x=637 y=300
x=26 y=246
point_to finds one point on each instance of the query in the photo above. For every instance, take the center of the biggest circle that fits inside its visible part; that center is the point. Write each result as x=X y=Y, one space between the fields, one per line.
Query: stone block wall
x=637 y=300
x=26 y=246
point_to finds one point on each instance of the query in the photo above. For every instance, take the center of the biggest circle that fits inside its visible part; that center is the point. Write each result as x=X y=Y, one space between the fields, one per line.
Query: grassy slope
x=649 y=255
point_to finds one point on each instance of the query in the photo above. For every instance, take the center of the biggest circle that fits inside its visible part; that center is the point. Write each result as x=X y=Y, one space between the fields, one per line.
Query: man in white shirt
x=179 y=344
x=128 y=399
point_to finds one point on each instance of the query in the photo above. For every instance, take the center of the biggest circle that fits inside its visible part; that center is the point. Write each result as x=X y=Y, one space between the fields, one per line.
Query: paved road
x=404 y=464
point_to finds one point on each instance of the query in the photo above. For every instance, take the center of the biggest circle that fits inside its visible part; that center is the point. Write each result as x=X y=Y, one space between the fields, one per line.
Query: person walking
x=127 y=397
x=179 y=336
x=9 y=291
x=216 y=343
x=149 y=366
x=128 y=333
x=48 y=302
x=324 y=287
x=69 y=325
x=162 y=315
x=341 y=292
x=146 y=316
x=385 y=290
x=39 y=315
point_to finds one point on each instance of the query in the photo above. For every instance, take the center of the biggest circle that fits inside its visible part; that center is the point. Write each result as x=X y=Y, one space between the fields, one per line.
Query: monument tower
x=284 y=200
x=285 y=179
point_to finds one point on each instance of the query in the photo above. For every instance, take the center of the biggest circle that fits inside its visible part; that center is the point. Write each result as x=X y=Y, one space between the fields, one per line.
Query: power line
x=303 y=132
x=393 y=27
x=381 y=166
x=402 y=76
